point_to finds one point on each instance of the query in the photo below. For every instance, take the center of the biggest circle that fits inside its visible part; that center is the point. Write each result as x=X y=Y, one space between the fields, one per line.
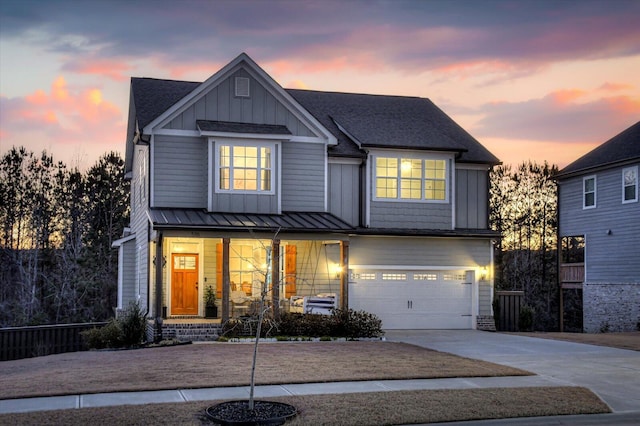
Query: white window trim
x=634 y=200
x=401 y=155
x=215 y=175
x=595 y=192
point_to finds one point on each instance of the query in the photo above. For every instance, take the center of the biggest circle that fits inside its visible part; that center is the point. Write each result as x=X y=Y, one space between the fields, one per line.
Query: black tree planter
x=264 y=413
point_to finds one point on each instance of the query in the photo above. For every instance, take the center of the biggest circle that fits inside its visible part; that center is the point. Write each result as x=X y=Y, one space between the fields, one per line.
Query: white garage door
x=414 y=299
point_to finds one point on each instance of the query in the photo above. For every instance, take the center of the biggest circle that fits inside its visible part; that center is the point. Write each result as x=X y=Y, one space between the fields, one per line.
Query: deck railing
x=27 y=342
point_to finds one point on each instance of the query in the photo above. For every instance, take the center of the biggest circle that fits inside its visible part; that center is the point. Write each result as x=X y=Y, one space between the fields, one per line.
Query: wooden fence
x=27 y=342
x=509 y=303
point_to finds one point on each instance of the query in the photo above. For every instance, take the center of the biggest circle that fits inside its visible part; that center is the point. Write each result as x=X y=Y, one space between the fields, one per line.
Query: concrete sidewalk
x=241 y=392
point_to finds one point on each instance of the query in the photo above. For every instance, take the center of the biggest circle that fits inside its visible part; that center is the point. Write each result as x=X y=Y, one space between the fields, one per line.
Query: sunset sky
x=531 y=80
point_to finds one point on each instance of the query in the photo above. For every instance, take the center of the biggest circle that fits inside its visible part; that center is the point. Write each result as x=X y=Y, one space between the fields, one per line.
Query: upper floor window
x=589 y=192
x=630 y=184
x=245 y=168
x=417 y=179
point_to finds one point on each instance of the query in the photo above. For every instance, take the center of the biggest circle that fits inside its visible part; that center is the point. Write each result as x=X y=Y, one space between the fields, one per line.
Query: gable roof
x=618 y=150
x=379 y=121
x=153 y=96
x=355 y=120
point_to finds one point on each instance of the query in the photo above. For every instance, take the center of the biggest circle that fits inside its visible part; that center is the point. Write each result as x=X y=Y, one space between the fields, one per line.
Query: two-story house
x=380 y=200
x=599 y=230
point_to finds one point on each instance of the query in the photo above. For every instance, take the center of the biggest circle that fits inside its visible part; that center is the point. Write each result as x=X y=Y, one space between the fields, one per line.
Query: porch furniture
x=321 y=304
x=240 y=303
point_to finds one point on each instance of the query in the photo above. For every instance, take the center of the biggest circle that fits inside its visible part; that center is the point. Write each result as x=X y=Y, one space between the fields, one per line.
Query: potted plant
x=210 y=308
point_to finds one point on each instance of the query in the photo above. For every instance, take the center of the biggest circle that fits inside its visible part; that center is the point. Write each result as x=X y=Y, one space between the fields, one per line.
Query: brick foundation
x=485 y=323
x=611 y=307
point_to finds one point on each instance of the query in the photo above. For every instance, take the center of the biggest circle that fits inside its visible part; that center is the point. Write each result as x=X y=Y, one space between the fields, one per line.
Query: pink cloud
x=615 y=87
x=566 y=96
x=566 y=116
x=66 y=122
x=114 y=69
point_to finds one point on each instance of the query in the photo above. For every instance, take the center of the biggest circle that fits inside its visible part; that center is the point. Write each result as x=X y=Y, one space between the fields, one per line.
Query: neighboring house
x=380 y=200
x=599 y=230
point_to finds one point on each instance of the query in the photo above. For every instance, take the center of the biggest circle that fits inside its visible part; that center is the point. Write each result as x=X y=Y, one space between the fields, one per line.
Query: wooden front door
x=184 y=284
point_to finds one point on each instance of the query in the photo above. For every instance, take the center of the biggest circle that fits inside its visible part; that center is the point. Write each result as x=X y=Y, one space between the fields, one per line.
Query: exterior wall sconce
x=484 y=272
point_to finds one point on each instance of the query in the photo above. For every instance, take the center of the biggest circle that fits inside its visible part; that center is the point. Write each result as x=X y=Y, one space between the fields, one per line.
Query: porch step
x=191 y=332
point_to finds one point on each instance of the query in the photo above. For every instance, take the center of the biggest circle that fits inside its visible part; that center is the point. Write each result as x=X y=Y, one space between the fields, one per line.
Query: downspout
x=361 y=196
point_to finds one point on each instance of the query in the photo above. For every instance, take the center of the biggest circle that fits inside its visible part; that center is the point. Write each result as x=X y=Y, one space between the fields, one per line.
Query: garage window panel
x=364 y=276
x=454 y=277
x=388 y=276
x=425 y=277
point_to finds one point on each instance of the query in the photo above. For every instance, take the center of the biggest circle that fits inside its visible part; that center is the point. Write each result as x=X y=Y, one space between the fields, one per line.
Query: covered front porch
x=235 y=266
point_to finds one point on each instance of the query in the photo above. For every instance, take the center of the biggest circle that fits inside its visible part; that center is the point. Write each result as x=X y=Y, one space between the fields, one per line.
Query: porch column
x=344 y=275
x=159 y=261
x=226 y=282
x=275 y=278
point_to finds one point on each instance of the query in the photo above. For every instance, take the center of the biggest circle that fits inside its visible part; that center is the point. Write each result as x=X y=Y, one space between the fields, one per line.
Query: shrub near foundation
x=125 y=331
x=341 y=323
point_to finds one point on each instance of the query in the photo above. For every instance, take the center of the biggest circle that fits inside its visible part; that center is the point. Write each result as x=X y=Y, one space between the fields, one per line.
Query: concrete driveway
x=613 y=374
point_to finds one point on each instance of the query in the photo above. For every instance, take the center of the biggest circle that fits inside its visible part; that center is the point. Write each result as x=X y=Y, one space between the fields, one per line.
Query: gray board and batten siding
x=303 y=176
x=472 y=196
x=594 y=223
x=221 y=104
x=344 y=192
x=180 y=171
x=181 y=178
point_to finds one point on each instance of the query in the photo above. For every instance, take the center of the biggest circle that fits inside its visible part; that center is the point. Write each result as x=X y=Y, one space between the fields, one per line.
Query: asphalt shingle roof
x=153 y=96
x=621 y=148
x=391 y=122
x=372 y=120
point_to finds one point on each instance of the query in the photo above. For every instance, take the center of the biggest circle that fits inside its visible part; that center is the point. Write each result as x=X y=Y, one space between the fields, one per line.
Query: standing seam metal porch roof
x=290 y=221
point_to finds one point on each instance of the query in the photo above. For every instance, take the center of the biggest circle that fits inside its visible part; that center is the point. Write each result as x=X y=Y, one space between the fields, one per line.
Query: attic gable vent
x=242 y=87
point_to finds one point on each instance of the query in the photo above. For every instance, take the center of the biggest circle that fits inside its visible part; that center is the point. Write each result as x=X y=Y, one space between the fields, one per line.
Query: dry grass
x=228 y=364
x=377 y=408
x=628 y=340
